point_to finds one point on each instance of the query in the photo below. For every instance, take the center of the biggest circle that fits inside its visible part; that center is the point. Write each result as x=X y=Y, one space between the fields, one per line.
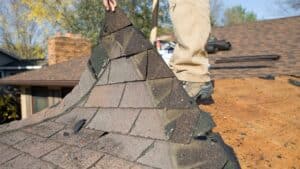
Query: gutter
x=63 y=83
x=20 y=67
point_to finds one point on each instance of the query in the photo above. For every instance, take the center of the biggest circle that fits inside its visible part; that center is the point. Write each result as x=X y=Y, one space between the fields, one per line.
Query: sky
x=264 y=9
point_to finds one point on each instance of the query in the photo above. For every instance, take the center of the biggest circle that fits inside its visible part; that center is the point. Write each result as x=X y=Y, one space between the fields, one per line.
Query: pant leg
x=191 y=21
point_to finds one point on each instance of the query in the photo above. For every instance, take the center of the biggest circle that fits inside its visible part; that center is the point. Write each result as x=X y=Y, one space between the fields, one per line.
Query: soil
x=260 y=120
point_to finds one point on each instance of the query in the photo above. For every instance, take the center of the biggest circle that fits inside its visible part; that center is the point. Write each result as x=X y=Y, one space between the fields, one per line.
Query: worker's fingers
x=113 y=5
x=106 y=4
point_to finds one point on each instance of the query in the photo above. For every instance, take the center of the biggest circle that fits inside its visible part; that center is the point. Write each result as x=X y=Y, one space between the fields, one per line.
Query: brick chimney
x=65 y=47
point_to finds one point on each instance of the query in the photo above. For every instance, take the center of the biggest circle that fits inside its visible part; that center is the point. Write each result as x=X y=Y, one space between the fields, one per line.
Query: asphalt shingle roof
x=271 y=37
x=62 y=74
x=137 y=116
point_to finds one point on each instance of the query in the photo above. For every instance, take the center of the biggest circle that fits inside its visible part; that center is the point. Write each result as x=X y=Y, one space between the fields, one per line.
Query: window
x=1 y=74
x=65 y=91
x=39 y=99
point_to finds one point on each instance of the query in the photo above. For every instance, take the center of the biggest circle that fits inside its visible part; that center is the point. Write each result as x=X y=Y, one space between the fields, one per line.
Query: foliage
x=288 y=6
x=85 y=16
x=19 y=34
x=9 y=105
x=237 y=15
x=216 y=8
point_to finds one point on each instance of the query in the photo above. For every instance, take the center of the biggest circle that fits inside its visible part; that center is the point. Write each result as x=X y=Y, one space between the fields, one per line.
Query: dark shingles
x=126 y=42
x=114 y=21
x=157 y=68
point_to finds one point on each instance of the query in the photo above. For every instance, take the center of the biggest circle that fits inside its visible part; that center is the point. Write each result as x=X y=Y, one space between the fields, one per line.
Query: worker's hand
x=110 y=5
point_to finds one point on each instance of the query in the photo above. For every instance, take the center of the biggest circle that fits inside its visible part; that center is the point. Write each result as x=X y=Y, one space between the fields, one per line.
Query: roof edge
x=63 y=83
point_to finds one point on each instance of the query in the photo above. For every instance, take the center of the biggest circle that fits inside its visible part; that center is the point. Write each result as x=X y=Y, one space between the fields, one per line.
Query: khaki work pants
x=191 y=21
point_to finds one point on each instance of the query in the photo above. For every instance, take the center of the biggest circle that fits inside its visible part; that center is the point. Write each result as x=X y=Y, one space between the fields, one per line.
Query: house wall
x=54 y=96
x=4 y=59
x=26 y=103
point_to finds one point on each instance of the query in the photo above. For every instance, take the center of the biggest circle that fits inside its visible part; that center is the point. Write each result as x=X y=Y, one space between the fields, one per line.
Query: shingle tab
x=105 y=96
x=37 y=146
x=45 y=129
x=159 y=156
x=77 y=114
x=151 y=123
x=116 y=120
x=125 y=147
x=137 y=95
x=126 y=42
x=69 y=157
x=114 y=21
x=124 y=70
x=112 y=163
x=12 y=138
x=26 y=161
x=168 y=93
x=157 y=68
x=7 y=153
x=81 y=139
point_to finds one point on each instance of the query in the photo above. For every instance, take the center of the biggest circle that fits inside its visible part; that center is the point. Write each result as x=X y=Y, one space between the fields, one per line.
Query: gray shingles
x=110 y=162
x=25 y=161
x=36 y=146
x=124 y=70
x=103 y=79
x=122 y=146
x=7 y=153
x=12 y=138
x=116 y=120
x=137 y=95
x=151 y=123
x=77 y=114
x=105 y=96
x=159 y=156
x=81 y=139
x=69 y=157
x=45 y=129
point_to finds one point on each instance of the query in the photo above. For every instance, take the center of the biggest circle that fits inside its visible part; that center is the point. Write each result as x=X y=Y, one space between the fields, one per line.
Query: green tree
x=85 y=16
x=18 y=34
x=9 y=104
x=237 y=15
x=288 y=6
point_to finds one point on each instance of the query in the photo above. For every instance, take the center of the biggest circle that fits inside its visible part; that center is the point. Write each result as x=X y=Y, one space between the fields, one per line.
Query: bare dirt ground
x=260 y=120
